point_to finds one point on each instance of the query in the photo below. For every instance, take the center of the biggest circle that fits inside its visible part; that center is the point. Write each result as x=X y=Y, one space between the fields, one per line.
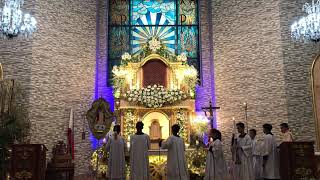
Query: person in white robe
x=257 y=155
x=270 y=154
x=242 y=147
x=116 y=146
x=216 y=168
x=176 y=160
x=139 y=159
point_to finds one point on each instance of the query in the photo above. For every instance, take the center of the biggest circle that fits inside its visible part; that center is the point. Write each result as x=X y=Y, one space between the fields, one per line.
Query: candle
x=234 y=125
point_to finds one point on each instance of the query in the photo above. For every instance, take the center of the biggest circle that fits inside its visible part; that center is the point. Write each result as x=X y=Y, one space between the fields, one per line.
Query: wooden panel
x=154 y=72
x=297 y=160
x=28 y=161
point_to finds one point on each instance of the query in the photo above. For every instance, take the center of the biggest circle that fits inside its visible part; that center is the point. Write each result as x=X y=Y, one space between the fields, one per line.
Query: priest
x=242 y=147
x=116 y=147
x=176 y=163
x=139 y=159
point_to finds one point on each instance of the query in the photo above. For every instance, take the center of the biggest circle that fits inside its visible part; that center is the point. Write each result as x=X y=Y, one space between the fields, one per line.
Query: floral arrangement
x=155 y=96
x=126 y=56
x=129 y=124
x=120 y=76
x=197 y=161
x=182 y=57
x=99 y=158
x=181 y=121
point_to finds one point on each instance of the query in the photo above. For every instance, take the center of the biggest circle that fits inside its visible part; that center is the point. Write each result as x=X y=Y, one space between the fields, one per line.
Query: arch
x=315 y=82
x=154 y=56
x=163 y=120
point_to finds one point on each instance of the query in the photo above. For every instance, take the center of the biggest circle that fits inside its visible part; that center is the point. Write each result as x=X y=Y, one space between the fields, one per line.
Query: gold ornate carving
x=23 y=175
x=315 y=108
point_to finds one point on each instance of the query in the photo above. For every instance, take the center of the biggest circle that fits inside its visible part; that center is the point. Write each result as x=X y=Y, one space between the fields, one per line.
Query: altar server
x=270 y=154
x=257 y=155
x=216 y=168
x=243 y=152
x=139 y=160
x=116 y=147
x=176 y=163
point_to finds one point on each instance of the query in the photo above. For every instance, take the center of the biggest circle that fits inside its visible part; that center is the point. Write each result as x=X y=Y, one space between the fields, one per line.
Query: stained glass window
x=132 y=23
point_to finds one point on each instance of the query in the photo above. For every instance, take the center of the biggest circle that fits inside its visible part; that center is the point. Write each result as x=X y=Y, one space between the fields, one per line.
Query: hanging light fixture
x=13 y=22
x=307 y=28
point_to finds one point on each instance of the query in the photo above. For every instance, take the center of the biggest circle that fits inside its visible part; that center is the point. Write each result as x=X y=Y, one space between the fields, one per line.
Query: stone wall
x=56 y=71
x=257 y=62
x=248 y=64
x=297 y=59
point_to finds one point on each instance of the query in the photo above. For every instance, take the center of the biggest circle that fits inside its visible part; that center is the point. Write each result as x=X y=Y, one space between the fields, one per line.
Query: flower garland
x=129 y=124
x=182 y=122
x=155 y=96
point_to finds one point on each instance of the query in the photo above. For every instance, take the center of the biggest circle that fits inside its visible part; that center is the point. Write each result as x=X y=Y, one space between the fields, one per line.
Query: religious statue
x=100 y=118
x=155 y=130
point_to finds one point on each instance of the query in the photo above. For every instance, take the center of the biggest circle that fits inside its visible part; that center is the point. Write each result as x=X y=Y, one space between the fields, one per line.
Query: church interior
x=70 y=71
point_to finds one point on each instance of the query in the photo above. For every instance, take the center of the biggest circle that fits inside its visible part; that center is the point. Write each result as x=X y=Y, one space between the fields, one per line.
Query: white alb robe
x=271 y=168
x=176 y=161
x=257 y=159
x=244 y=170
x=216 y=168
x=116 y=163
x=139 y=159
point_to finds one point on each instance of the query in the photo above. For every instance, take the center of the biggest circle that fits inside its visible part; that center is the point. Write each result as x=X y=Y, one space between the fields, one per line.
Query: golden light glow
x=162 y=120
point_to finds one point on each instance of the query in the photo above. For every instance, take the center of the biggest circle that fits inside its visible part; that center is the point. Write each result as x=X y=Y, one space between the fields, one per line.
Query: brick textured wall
x=297 y=59
x=249 y=64
x=257 y=62
x=56 y=70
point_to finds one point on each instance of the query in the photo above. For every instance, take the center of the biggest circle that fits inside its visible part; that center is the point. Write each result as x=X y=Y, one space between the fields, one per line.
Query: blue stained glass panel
x=141 y=7
x=142 y=34
x=118 y=41
x=188 y=41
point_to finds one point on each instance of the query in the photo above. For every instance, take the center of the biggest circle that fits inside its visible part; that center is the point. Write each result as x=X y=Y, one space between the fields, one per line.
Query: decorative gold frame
x=315 y=114
x=135 y=69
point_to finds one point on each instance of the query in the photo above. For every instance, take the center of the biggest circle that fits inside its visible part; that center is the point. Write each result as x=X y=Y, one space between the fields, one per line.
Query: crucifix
x=210 y=110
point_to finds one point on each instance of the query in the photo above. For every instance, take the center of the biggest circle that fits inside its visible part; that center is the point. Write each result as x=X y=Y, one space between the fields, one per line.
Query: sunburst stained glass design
x=187 y=12
x=133 y=23
x=119 y=13
x=141 y=33
x=118 y=41
x=142 y=7
x=188 y=41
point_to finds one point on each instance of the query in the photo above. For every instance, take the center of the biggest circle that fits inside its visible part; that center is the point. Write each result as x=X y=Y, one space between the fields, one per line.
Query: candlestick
x=245 y=105
x=1 y=72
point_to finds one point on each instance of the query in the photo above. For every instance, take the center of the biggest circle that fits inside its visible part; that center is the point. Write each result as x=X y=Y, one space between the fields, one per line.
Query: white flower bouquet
x=155 y=96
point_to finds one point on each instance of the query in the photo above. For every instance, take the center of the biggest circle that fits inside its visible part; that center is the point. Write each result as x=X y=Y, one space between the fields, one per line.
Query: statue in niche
x=155 y=130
